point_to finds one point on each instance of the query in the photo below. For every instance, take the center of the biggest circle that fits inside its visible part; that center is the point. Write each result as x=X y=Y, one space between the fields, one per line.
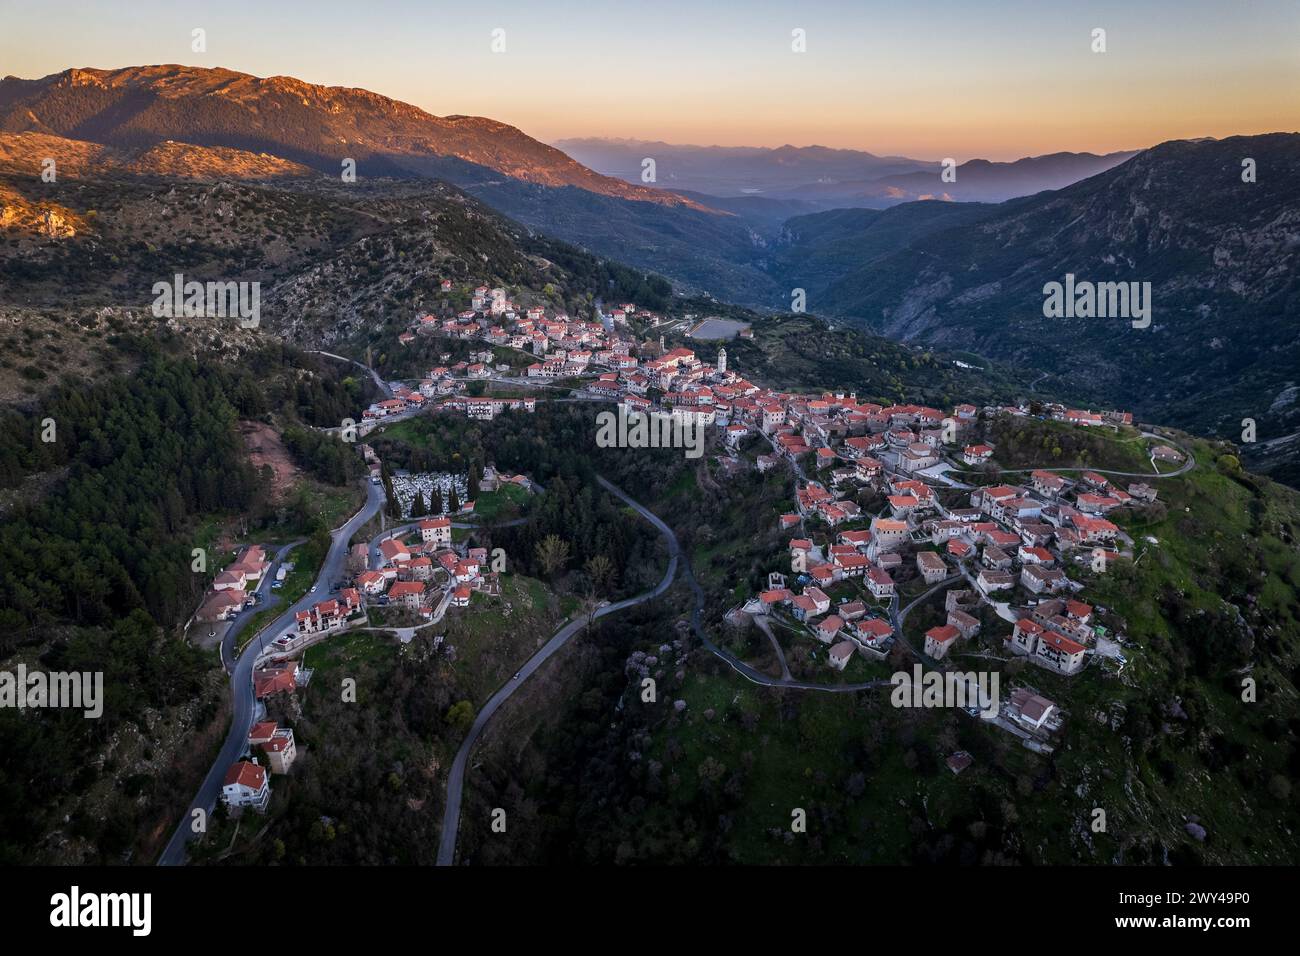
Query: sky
x=998 y=79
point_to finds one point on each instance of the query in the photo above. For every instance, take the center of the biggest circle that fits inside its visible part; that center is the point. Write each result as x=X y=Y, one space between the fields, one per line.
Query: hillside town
x=1012 y=543
x=1008 y=545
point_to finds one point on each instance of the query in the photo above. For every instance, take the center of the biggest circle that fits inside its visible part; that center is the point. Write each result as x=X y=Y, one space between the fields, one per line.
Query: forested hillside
x=108 y=488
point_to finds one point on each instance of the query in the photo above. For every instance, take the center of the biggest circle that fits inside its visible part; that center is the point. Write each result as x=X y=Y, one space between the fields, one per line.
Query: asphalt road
x=735 y=663
x=241 y=680
x=383 y=386
x=456 y=778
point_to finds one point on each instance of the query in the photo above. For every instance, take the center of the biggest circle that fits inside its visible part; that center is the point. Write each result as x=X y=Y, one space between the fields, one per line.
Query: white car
x=313 y=589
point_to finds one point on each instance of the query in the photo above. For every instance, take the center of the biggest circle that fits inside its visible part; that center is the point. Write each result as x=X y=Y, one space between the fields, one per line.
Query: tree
x=392 y=504
x=710 y=770
x=418 y=507
x=453 y=503
x=600 y=573
x=460 y=715
x=552 y=554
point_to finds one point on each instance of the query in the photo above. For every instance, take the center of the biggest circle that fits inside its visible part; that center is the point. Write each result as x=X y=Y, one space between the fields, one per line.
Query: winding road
x=456 y=778
x=241 y=676
x=268 y=599
x=676 y=560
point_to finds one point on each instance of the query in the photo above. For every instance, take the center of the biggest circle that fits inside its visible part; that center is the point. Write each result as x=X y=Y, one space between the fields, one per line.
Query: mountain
x=763 y=213
x=347 y=266
x=831 y=178
x=146 y=113
x=317 y=126
x=1220 y=253
x=1222 y=257
x=816 y=252
x=979 y=180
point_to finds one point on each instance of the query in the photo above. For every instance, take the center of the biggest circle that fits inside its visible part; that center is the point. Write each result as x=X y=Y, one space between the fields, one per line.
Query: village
x=1010 y=545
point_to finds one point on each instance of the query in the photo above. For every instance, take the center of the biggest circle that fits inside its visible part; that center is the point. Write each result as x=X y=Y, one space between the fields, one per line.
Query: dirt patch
x=265 y=448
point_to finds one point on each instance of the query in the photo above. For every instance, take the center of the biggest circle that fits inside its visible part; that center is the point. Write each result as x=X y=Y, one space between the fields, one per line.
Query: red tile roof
x=246 y=773
x=943 y=633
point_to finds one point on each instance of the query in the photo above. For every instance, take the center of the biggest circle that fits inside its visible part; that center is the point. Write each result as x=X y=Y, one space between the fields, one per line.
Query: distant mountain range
x=785 y=172
x=832 y=178
x=216 y=123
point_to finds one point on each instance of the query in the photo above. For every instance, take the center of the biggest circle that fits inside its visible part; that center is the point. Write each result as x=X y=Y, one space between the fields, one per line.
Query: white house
x=246 y=786
x=436 y=530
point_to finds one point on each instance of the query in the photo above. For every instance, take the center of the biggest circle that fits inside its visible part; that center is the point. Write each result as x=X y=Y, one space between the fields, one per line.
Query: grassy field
x=343 y=652
x=500 y=505
x=796 y=753
x=331 y=504
x=1039 y=443
x=494 y=635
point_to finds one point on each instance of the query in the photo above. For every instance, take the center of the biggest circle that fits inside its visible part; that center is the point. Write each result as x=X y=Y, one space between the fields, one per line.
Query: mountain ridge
x=139 y=106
